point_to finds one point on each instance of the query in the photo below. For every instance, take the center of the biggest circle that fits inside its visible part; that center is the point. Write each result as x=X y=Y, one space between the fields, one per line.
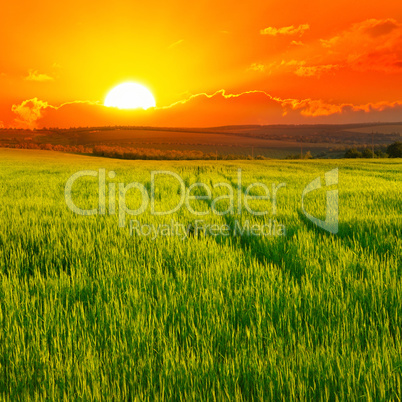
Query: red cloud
x=369 y=45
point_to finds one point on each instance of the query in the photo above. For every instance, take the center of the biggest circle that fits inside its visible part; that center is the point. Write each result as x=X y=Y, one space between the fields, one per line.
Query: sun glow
x=130 y=96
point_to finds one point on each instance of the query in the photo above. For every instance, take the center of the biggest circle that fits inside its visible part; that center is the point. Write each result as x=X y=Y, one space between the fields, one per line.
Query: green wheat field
x=93 y=311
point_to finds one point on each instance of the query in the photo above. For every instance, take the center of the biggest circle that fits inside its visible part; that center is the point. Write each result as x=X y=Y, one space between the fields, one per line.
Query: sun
x=130 y=95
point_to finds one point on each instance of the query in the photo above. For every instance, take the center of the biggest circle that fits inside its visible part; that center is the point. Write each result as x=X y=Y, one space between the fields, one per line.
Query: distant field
x=276 y=141
x=151 y=137
x=89 y=311
x=383 y=129
x=221 y=142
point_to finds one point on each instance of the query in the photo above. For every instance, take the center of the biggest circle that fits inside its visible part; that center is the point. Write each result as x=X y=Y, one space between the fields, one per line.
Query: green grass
x=90 y=312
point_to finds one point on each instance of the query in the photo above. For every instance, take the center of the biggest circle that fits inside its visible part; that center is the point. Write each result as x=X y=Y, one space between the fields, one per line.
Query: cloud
x=310 y=107
x=205 y=110
x=221 y=93
x=320 y=108
x=311 y=71
x=257 y=67
x=291 y=30
x=31 y=111
x=282 y=66
x=293 y=63
x=33 y=75
x=377 y=28
x=201 y=110
x=370 y=45
x=2 y=125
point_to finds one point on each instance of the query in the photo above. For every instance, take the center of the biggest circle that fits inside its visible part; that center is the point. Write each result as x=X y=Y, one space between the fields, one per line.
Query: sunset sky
x=207 y=63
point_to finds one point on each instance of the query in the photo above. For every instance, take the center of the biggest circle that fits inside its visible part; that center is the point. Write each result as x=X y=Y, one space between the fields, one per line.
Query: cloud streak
x=290 y=30
x=174 y=44
x=33 y=75
x=257 y=67
x=315 y=71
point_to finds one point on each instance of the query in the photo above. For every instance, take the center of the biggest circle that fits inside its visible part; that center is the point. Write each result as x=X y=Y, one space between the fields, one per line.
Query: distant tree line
x=306 y=155
x=157 y=154
x=393 y=151
x=127 y=153
x=78 y=149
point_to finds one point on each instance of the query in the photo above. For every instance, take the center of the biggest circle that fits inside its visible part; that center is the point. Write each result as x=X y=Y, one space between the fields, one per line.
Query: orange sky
x=315 y=61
